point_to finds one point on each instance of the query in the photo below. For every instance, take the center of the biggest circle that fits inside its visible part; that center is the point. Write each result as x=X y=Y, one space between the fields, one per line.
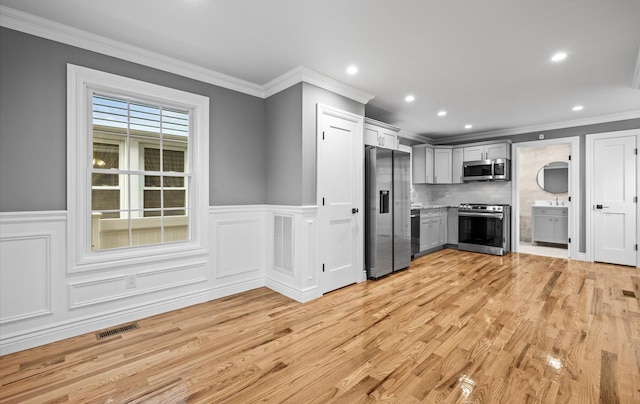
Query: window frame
x=82 y=82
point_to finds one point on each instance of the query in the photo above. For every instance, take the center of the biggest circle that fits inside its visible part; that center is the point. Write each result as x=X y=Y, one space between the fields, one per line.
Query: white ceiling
x=485 y=62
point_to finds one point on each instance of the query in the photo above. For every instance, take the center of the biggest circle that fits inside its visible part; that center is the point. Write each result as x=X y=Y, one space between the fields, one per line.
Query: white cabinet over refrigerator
x=380 y=134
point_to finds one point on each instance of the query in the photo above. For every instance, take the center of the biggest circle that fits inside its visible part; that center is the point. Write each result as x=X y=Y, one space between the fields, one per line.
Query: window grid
x=122 y=123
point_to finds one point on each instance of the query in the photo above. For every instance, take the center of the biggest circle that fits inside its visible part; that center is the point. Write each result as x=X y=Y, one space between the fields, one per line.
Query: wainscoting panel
x=25 y=278
x=298 y=245
x=102 y=290
x=238 y=242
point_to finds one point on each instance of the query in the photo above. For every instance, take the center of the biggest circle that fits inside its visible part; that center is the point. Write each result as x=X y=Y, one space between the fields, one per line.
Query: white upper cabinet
x=428 y=169
x=431 y=165
x=380 y=134
x=456 y=165
x=442 y=166
x=422 y=164
x=418 y=165
x=488 y=151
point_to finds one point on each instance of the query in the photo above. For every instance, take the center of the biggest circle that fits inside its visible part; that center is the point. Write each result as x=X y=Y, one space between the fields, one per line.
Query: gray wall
x=284 y=145
x=33 y=125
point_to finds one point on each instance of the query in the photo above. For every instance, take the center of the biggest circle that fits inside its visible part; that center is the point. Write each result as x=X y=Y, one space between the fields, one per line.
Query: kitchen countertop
x=422 y=207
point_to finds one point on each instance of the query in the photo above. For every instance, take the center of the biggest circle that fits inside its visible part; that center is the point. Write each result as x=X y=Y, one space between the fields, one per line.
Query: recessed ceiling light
x=468 y=126
x=409 y=98
x=442 y=113
x=352 y=69
x=558 y=56
x=578 y=108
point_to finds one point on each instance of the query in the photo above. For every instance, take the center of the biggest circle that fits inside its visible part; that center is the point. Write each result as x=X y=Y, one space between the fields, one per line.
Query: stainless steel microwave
x=486 y=170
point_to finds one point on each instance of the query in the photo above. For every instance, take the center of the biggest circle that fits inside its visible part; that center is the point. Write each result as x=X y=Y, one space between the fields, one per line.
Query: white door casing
x=612 y=189
x=574 y=181
x=340 y=188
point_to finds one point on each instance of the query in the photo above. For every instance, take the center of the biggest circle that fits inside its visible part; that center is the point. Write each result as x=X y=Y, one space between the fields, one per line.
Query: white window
x=144 y=149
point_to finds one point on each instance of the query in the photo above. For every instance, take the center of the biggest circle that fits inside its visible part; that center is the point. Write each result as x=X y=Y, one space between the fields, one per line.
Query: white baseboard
x=298 y=295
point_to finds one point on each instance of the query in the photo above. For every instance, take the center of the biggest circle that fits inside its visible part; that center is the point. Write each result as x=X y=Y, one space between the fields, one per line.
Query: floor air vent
x=117 y=330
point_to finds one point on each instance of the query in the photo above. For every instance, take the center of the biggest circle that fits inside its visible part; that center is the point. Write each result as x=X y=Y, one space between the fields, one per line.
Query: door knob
x=354 y=210
x=601 y=207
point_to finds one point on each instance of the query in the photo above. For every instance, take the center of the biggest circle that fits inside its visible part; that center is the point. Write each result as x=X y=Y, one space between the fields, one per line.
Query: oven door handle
x=481 y=214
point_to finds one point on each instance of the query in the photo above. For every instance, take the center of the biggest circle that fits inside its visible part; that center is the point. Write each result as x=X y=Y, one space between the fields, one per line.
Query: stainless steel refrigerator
x=387 y=205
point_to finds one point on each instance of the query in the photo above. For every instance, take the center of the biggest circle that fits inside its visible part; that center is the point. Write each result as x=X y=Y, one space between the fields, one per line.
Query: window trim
x=81 y=82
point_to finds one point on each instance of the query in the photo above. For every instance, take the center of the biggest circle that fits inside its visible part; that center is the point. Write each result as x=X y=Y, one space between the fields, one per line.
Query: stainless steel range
x=484 y=228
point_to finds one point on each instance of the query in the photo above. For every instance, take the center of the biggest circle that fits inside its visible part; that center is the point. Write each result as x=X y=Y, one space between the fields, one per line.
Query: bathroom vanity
x=550 y=224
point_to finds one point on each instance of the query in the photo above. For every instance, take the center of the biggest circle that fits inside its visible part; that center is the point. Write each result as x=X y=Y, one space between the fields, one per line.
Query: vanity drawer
x=551 y=210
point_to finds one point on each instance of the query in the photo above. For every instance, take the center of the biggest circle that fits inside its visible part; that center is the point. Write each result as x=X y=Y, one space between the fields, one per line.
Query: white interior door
x=613 y=206
x=340 y=187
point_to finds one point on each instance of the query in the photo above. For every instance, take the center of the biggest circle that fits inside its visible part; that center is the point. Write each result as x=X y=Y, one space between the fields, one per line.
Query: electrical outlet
x=131 y=281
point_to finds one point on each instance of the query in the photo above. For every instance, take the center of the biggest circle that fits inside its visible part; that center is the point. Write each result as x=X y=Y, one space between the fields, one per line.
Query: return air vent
x=283 y=243
x=117 y=330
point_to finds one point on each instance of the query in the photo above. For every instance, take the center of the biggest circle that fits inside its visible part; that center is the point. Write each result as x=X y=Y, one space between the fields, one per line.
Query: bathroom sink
x=550 y=203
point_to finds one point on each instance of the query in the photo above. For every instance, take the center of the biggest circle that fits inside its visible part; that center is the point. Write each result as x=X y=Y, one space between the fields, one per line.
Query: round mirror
x=554 y=177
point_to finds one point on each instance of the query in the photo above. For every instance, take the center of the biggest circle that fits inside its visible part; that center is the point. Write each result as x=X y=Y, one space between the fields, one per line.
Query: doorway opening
x=545 y=198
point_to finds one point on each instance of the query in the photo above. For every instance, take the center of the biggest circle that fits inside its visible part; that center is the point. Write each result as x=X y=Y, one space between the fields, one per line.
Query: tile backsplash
x=454 y=194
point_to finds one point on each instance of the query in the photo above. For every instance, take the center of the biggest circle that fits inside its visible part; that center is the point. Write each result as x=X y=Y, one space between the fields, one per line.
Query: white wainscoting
x=301 y=281
x=42 y=302
x=237 y=233
x=31 y=247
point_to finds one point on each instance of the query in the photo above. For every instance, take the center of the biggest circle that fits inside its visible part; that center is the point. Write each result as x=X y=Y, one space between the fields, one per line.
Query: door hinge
x=322 y=267
x=322 y=201
x=569 y=239
x=322 y=135
x=635 y=247
x=569 y=157
x=635 y=151
x=635 y=199
x=569 y=199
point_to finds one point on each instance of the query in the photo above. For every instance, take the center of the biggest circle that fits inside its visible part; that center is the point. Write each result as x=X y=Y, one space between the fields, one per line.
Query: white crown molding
x=635 y=84
x=303 y=74
x=33 y=25
x=413 y=136
x=538 y=128
x=381 y=124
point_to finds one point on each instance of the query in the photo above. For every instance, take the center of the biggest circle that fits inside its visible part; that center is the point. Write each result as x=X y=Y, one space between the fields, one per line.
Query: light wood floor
x=455 y=327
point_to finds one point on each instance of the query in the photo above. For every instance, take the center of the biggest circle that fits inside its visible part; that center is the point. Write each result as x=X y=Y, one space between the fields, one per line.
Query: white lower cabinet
x=550 y=224
x=433 y=228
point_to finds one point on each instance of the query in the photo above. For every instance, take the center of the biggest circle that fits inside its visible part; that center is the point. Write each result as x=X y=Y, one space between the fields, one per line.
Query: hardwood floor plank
x=456 y=327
